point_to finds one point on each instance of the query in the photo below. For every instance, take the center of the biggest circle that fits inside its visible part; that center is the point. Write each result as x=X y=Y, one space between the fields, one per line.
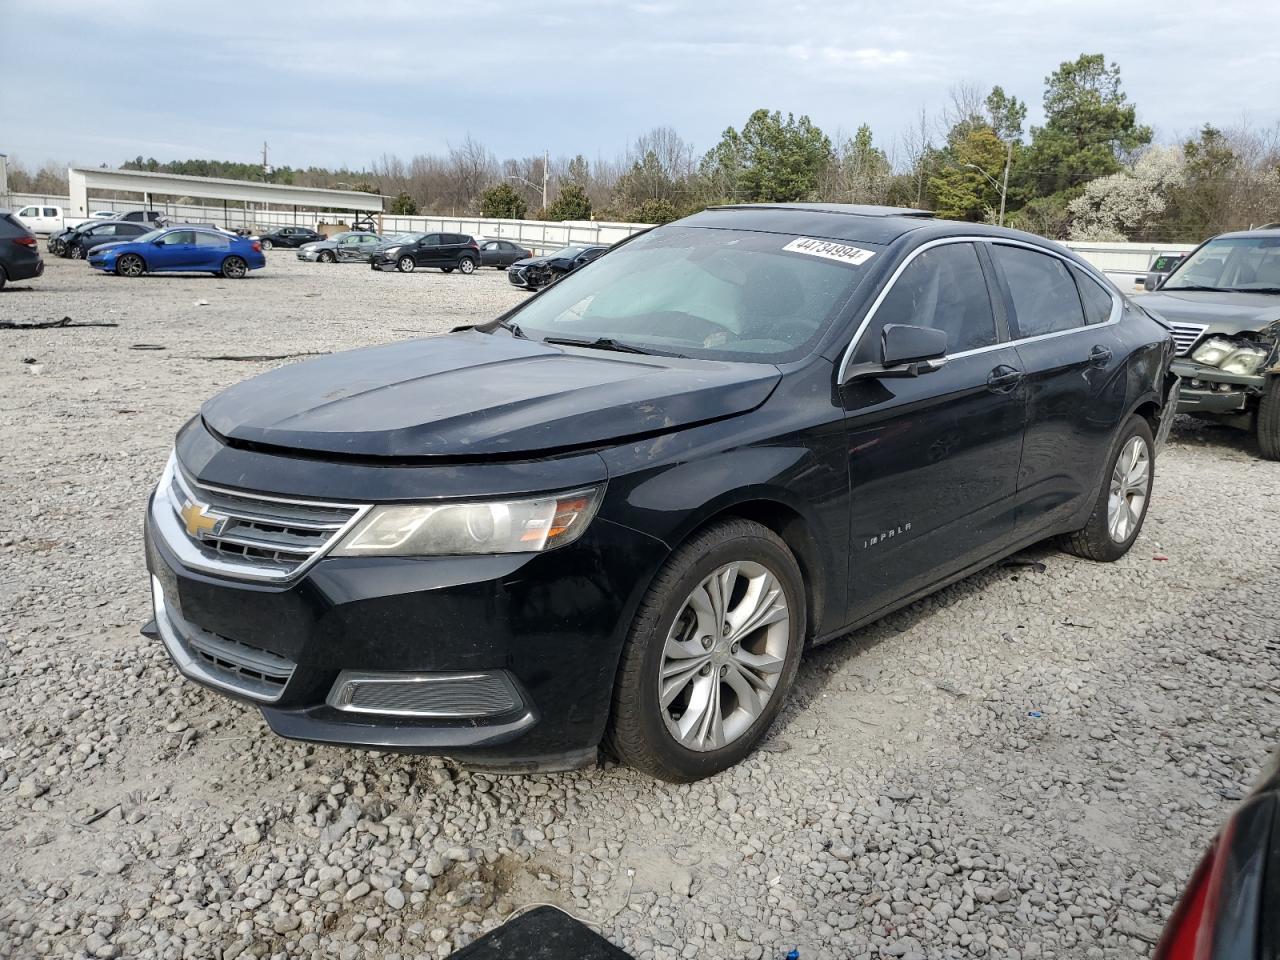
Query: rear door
x=1075 y=380
x=211 y=249
x=933 y=460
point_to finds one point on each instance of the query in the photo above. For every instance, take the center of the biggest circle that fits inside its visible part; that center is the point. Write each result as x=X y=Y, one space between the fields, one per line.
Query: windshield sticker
x=829 y=250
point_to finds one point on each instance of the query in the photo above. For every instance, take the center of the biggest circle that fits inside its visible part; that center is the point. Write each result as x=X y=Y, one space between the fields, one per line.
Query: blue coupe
x=180 y=249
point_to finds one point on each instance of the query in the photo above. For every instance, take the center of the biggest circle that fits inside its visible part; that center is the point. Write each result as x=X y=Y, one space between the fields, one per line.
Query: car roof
x=832 y=221
x=1267 y=231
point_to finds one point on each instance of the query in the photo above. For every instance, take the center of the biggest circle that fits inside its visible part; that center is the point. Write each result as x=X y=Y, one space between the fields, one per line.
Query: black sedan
x=288 y=237
x=534 y=273
x=501 y=253
x=79 y=242
x=616 y=516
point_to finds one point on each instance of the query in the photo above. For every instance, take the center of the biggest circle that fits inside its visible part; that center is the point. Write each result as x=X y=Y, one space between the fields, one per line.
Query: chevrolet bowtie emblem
x=198 y=522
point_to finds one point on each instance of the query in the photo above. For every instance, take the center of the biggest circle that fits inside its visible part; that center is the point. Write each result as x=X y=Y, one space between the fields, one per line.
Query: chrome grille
x=246 y=535
x=488 y=694
x=1185 y=335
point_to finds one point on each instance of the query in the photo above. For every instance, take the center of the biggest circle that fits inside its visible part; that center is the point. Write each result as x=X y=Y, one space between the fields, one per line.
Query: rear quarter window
x=1098 y=301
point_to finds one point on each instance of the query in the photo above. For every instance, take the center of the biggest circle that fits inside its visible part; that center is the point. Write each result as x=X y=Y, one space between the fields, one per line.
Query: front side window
x=29 y=212
x=943 y=288
x=178 y=238
x=1238 y=264
x=1044 y=295
x=715 y=294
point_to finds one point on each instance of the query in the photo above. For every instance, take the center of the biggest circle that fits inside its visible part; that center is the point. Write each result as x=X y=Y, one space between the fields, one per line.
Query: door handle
x=1004 y=379
x=1100 y=356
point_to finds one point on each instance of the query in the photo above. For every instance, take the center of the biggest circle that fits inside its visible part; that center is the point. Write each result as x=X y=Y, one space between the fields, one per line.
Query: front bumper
x=548 y=628
x=1207 y=389
x=308 y=255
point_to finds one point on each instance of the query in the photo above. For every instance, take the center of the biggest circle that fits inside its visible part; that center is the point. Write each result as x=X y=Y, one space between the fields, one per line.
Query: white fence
x=1122 y=262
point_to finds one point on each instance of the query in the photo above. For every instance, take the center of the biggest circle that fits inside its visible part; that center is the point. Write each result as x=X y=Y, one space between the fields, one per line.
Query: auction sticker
x=830 y=250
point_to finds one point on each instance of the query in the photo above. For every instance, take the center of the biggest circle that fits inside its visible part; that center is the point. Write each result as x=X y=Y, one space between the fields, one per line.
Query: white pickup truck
x=42 y=219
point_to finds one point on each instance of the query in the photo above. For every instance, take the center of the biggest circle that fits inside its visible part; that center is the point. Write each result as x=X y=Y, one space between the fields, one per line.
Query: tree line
x=1091 y=171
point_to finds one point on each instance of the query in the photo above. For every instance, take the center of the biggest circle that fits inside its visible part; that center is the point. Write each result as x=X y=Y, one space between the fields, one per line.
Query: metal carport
x=82 y=179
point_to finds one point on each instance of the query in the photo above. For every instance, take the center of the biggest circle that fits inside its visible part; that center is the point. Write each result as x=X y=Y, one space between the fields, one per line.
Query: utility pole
x=266 y=167
x=546 y=176
x=1004 y=191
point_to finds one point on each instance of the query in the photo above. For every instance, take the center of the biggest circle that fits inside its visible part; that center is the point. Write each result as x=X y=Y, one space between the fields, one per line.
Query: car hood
x=1228 y=313
x=534 y=261
x=105 y=245
x=320 y=245
x=475 y=395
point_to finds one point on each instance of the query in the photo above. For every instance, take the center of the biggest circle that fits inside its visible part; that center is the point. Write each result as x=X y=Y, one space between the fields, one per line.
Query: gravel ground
x=1027 y=764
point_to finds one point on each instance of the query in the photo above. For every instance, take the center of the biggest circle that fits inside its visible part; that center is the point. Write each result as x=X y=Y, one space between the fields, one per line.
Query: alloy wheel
x=234 y=268
x=266 y=244
x=405 y=265
x=77 y=253
x=723 y=656
x=130 y=265
x=467 y=265
x=1130 y=481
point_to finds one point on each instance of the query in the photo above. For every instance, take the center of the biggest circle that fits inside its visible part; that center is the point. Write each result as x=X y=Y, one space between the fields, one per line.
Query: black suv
x=288 y=237
x=448 y=251
x=19 y=255
x=618 y=514
x=77 y=243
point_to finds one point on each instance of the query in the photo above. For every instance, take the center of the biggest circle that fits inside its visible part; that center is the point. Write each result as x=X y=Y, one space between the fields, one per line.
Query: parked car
x=1161 y=266
x=534 y=273
x=1231 y=908
x=79 y=242
x=153 y=217
x=19 y=253
x=348 y=246
x=289 y=237
x=447 y=251
x=501 y=253
x=42 y=219
x=618 y=513
x=1223 y=302
x=180 y=250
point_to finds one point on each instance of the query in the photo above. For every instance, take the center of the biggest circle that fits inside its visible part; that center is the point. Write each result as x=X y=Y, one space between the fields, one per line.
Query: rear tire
x=405 y=264
x=1122 y=502
x=676 y=741
x=130 y=265
x=234 y=268
x=467 y=265
x=1269 y=421
x=4 y=278
x=446 y=269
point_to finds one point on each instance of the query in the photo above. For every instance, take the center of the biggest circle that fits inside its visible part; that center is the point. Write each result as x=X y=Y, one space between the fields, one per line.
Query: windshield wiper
x=514 y=328
x=1196 y=286
x=600 y=343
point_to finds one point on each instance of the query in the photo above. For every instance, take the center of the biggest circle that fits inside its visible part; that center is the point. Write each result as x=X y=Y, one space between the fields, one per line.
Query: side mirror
x=157 y=243
x=901 y=343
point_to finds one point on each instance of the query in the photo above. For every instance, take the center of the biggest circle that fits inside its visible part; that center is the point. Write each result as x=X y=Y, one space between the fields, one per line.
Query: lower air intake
x=440 y=695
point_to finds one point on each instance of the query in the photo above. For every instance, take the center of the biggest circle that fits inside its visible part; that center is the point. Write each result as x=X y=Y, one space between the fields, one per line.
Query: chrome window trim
x=164 y=516
x=1117 y=304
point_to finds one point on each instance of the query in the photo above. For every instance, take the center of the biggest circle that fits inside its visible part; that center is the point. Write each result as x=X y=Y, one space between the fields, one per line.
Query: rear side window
x=1044 y=295
x=10 y=227
x=1097 y=300
x=50 y=211
x=212 y=240
x=944 y=288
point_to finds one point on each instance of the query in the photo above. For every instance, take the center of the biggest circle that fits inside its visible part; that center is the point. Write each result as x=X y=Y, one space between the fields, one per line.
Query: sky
x=341 y=83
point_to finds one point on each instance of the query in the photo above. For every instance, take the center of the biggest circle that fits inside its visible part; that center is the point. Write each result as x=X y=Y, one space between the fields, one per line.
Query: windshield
x=404 y=237
x=566 y=253
x=715 y=294
x=1231 y=263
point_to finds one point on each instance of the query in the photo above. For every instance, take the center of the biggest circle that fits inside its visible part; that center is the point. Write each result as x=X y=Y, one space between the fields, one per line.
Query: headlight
x=451 y=529
x=1244 y=361
x=391 y=251
x=1213 y=351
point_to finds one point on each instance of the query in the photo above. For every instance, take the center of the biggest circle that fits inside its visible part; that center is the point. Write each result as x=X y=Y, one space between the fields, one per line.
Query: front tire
x=1122 y=502
x=711 y=654
x=234 y=268
x=405 y=264
x=266 y=244
x=1269 y=421
x=326 y=256
x=77 y=252
x=130 y=265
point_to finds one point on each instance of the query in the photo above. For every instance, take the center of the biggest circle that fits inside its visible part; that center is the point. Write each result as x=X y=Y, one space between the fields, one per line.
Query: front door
x=175 y=250
x=933 y=460
x=429 y=251
x=1076 y=386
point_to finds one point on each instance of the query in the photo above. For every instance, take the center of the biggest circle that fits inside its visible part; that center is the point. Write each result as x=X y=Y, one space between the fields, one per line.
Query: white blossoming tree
x=1114 y=207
